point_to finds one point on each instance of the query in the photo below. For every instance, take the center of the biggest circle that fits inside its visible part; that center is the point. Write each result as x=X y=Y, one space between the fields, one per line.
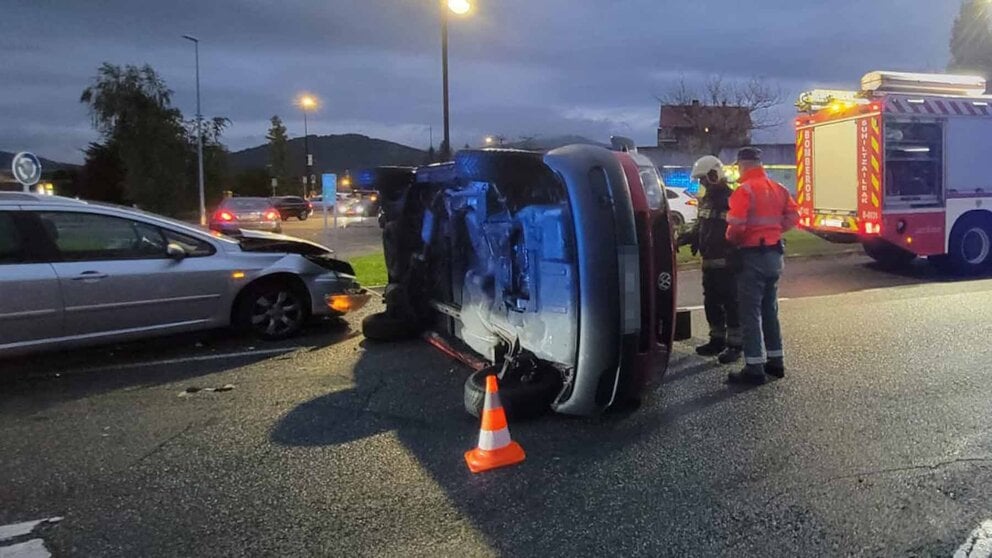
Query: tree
x=216 y=171
x=131 y=108
x=103 y=175
x=279 y=153
x=971 y=39
x=721 y=114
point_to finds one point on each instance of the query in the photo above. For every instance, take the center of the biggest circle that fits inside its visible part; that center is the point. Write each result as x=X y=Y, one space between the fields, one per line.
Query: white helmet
x=707 y=164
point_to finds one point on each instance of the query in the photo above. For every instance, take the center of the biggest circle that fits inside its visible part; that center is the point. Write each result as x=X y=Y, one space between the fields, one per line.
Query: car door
x=30 y=301
x=116 y=276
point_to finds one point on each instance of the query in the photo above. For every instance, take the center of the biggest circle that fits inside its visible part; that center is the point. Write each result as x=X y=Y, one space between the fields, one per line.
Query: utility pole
x=199 y=132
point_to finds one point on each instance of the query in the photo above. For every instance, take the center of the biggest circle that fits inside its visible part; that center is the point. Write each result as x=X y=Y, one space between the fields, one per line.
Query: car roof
x=24 y=198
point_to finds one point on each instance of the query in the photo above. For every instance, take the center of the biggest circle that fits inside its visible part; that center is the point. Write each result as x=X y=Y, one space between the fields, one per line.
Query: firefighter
x=708 y=237
x=760 y=211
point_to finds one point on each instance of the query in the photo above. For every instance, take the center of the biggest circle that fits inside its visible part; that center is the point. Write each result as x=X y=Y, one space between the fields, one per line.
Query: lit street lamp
x=199 y=132
x=307 y=103
x=457 y=7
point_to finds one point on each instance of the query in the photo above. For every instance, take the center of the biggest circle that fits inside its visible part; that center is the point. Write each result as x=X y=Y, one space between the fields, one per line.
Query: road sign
x=26 y=168
x=329 y=181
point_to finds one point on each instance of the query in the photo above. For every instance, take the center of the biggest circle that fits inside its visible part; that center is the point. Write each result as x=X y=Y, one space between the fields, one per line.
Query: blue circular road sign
x=26 y=168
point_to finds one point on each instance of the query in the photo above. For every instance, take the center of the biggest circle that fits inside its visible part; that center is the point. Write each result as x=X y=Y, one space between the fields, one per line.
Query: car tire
x=387 y=328
x=272 y=310
x=971 y=245
x=521 y=400
x=303 y=215
x=677 y=219
x=888 y=255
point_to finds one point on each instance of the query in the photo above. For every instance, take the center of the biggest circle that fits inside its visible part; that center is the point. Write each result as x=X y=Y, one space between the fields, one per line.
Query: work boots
x=775 y=367
x=753 y=374
x=713 y=348
x=730 y=355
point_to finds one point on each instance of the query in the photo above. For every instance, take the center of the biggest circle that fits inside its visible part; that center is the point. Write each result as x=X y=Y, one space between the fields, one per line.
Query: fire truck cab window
x=914 y=162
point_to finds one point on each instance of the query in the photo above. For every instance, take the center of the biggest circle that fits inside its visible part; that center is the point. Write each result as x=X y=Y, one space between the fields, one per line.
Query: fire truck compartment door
x=835 y=167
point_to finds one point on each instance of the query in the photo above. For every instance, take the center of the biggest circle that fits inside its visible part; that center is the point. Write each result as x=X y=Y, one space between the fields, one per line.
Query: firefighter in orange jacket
x=760 y=211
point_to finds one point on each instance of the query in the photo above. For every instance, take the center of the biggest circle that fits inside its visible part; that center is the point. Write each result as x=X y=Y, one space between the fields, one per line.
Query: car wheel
x=273 y=310
x=383 y=327
x=971 y=245
x=677 y=219
x=303 y=215
x=522 y=398
x=888 y=254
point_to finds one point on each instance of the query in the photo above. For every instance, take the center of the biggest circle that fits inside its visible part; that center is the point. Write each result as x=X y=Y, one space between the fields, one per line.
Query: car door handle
x=90 y=276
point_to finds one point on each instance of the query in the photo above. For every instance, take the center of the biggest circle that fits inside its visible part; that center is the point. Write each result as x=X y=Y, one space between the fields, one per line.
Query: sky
x=517 y=67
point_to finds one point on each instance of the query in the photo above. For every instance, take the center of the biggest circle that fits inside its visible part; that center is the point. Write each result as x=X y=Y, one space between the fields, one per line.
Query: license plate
x=834 y=223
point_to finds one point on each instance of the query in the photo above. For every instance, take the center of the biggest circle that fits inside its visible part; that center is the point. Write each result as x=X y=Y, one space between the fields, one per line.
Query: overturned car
x=558 y=269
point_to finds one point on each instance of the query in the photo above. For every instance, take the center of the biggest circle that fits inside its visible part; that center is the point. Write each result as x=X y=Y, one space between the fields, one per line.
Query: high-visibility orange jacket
x=760 y=211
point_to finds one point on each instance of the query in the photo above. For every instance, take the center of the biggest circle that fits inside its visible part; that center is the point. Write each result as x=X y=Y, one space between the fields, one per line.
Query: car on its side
x=74 y=273
x=292 y=206
x=557 y=269
x=684 y=206
x=236 y=214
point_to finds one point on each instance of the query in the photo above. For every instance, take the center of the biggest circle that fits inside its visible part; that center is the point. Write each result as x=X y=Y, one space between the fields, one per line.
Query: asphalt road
x=877 y=443
x=354 y=236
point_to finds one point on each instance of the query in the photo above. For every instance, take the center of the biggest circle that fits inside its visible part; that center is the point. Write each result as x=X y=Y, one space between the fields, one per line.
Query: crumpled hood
x=261 y=241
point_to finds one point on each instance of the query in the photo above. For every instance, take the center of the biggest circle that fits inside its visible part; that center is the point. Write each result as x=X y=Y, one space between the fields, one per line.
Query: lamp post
x=458 y=7
x=307 y=103
x=199 y=132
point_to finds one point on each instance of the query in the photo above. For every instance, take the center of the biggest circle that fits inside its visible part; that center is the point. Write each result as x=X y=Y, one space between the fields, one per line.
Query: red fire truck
x=900 y=166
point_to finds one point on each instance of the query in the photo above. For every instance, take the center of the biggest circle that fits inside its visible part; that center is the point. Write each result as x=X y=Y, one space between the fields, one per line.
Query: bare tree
x=722 y=113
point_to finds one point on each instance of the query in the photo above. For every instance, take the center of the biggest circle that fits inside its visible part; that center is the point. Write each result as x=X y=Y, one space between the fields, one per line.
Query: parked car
x=234 y=215
x=684 y=206
x=556 y=269
x=292 y=206
x=74 y=273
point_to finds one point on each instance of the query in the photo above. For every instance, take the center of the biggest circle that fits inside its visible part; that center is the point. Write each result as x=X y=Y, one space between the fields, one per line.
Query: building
x=696 y=127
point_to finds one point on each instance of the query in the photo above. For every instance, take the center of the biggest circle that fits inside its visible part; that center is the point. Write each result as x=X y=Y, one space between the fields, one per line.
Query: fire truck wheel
x=971 y=245
x=887 y=254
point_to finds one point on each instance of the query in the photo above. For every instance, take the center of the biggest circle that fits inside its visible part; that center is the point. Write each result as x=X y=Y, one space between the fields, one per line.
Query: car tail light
x=224 y=216
x=692 y=202
x=271 y=215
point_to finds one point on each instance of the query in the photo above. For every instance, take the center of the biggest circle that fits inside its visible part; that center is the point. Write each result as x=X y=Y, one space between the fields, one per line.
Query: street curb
x=698 y=263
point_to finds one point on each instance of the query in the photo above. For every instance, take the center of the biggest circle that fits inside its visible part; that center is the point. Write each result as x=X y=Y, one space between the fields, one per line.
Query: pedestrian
x=760 y=211
x=708 y=237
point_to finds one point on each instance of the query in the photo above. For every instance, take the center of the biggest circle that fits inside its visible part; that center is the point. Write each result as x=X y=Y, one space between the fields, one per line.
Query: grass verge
x=371 y=268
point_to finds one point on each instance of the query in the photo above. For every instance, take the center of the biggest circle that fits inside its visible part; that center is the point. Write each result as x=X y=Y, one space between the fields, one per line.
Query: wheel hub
x=975 y=246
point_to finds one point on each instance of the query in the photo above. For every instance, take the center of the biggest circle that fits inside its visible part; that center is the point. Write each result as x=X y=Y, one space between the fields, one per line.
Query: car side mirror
x=175 y=251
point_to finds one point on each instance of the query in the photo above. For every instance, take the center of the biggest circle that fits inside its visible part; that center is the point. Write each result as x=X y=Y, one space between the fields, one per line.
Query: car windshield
x=256 y=204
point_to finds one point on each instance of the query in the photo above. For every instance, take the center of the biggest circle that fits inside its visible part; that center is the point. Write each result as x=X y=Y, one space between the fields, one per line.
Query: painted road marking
x=20 y=529
x=34 y=548
x=979 y=543
x=168 y=361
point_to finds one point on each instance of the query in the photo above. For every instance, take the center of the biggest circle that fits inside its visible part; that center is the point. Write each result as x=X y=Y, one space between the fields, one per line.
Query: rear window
x=11 y=243
x=246 y=203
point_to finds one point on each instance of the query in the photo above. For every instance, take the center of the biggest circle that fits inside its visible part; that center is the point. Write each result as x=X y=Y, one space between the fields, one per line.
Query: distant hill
x=334 y=153
x=7 y=157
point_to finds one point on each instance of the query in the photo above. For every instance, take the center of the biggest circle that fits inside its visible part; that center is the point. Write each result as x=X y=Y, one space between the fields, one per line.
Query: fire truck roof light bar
x=904 y=82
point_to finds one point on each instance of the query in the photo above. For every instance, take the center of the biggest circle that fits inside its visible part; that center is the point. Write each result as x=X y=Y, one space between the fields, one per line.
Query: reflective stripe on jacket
x=760 y=211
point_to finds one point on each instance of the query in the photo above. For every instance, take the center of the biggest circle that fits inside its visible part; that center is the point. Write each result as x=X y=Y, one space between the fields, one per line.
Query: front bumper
x=336 y=294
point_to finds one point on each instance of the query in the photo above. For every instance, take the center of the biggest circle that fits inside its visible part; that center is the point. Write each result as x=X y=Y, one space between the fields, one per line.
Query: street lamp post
x=307 y=103
x=199 y=132
x=459 y=7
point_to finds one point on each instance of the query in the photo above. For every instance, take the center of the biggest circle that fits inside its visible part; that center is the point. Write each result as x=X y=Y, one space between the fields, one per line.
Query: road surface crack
x=159 y=446
x=861 y=476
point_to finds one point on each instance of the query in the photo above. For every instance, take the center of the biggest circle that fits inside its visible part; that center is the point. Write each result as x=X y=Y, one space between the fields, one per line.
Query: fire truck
x=902 y=166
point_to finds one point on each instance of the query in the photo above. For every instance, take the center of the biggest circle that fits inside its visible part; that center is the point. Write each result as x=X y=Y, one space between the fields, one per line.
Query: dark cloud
x=517 y=66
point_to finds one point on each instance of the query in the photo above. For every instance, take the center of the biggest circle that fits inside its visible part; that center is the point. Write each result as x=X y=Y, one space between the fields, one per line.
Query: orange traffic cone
x=496 y=449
